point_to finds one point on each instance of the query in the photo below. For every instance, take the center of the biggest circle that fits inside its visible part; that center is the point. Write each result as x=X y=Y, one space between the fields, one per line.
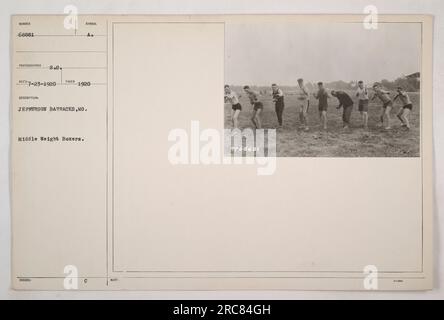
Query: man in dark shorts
x=278 y=99
x=257 y=107
x=346 y=103
x=322 y=95
x=407 y=107
x=232 y=97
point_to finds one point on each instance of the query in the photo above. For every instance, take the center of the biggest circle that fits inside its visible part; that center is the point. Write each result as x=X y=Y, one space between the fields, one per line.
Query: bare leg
x=301 y=116
x=387 y=114
x=258 y=119
x=236 y=119
x=405 y=116
x=253 y=118
x=381 y=117
x=364 y=115
x=324 y=119
x=399 y=115
x=304 y=114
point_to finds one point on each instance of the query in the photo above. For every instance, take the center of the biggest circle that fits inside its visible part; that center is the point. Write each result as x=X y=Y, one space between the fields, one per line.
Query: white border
x=435 y=7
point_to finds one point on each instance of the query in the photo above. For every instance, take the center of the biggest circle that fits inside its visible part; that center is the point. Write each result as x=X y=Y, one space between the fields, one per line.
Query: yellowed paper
x=102 y=200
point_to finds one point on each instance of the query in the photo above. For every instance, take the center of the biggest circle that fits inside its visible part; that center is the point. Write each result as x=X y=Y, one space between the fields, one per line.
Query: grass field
x=335 y=142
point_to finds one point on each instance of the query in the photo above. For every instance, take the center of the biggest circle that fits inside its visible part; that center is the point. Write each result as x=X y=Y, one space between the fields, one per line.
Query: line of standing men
x=322 y=95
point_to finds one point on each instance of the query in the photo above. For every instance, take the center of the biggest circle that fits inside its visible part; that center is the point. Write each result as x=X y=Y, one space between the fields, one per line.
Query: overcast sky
x=262 y=53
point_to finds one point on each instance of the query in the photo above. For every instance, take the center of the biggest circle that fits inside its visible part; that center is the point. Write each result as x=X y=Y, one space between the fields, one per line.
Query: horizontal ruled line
x=68 y=51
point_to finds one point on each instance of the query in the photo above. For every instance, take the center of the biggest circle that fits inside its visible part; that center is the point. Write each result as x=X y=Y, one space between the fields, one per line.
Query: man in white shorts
x=303 y=101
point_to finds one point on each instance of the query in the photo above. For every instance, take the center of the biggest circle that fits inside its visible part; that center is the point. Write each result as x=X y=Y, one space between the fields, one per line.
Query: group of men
x=322 y=95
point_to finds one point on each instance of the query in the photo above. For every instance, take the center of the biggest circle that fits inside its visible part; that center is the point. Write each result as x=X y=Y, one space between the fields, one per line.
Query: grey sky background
x=263 y=53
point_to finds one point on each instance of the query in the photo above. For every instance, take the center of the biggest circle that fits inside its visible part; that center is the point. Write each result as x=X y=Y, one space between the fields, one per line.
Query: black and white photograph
x=328 y=89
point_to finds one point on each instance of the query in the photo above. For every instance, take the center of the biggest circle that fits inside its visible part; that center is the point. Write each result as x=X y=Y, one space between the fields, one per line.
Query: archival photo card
x=221 y=152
